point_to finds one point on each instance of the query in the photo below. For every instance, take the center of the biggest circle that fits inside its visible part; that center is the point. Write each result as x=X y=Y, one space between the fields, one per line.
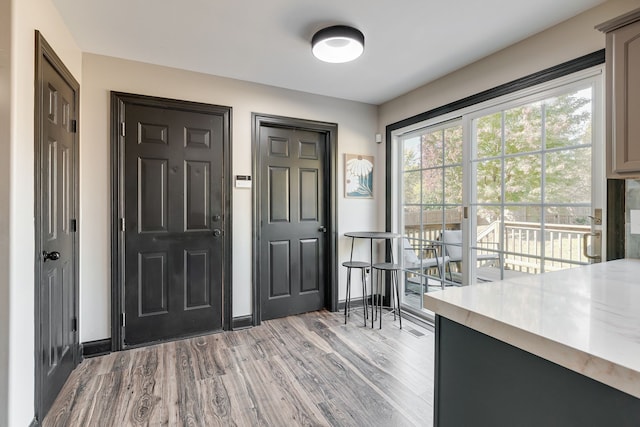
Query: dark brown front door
x=174 y=220
x=56 y=240
x=293 y=214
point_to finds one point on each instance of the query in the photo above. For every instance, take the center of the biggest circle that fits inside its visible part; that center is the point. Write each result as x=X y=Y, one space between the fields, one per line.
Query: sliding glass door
x=504 y=189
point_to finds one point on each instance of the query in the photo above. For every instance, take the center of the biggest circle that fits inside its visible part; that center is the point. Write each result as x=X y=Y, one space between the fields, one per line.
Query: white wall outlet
x=634 y=218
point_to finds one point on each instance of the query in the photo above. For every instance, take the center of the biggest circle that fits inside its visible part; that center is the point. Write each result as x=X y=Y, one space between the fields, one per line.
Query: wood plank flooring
x=307 y=370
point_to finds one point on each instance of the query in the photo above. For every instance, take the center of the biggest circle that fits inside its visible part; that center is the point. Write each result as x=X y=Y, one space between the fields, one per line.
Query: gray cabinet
x=482 y=381
x=623 y=95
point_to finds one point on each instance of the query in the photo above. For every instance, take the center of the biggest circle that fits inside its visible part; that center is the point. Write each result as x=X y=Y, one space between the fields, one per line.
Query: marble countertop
x=586 y=319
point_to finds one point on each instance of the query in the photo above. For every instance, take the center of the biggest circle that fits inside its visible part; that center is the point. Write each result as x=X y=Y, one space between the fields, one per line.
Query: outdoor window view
x=528 y=187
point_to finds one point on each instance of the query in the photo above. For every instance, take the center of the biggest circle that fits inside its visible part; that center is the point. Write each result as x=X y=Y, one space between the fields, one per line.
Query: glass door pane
x=432 y=179
x=532 y=166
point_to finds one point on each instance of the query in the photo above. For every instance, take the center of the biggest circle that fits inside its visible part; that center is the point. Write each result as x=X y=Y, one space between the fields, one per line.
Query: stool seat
x=356 y=264
x=387 y=266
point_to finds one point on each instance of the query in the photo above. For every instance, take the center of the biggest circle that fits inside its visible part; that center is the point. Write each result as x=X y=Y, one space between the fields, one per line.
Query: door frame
x=118 y=104
x=331 y=132
x=44 y=52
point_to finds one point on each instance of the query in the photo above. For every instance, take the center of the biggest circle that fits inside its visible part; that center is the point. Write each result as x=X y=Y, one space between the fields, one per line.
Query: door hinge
x=74 y=225
x=122 y=226
x=123 y=320
x=122 y=131
x=74 y=126
x=74 y=324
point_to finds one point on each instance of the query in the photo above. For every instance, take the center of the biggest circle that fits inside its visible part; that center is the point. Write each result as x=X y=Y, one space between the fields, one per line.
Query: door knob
x=217 y=232
x=53 y=256
x=322 y=229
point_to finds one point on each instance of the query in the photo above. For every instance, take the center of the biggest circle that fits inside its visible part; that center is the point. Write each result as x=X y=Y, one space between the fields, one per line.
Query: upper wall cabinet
x=623 y=95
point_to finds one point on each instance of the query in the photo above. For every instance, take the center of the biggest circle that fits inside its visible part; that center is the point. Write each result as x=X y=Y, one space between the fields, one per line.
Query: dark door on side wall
x=292 y=232
x=174 y=216
x=57 y=351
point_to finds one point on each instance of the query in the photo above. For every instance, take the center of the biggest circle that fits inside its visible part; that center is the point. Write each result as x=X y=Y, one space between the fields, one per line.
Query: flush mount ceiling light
x=337 y=44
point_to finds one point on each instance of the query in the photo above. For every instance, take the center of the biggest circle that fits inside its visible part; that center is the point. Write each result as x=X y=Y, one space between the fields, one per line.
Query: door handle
x=585 y=245
x=217 y=232
x=322 y=229
x=596 y=220
x=53 y=256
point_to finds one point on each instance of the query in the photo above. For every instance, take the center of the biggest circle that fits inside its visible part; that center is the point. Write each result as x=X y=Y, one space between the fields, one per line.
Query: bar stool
x=379 y=270
x=363 y=266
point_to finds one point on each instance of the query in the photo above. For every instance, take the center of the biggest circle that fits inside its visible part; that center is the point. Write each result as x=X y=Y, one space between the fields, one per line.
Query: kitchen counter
x=586 y=320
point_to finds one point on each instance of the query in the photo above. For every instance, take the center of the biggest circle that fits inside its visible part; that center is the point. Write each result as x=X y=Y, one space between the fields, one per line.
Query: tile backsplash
x=632 y=202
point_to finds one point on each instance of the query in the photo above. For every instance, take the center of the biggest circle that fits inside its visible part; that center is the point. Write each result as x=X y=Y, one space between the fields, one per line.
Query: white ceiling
x=407 y=42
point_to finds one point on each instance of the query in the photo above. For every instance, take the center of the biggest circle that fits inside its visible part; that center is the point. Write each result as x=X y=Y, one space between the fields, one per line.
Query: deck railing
x=525 y=248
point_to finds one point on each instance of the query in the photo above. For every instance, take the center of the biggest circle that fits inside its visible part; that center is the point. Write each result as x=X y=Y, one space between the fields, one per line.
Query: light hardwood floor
x=309 y=370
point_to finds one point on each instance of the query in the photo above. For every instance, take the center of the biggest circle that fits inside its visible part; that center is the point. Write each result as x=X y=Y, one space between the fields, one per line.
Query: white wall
x=27 y=16
x=566 y=41
x=5 y=149
x=356 y=128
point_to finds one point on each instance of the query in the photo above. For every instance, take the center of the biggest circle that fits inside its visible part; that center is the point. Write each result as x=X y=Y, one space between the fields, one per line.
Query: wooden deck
x=309 y=370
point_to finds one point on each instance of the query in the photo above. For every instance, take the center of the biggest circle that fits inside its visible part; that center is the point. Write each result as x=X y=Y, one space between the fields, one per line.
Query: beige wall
x=27 y=16
x=566 y=41
x=356 y=128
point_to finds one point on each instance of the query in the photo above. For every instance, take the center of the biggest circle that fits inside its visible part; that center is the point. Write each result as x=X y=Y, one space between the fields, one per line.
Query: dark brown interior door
x=173 y=222
x=292 y=233
x=56 y=145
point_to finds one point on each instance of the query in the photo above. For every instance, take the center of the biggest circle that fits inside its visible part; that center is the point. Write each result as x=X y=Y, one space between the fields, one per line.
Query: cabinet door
x=624 y=46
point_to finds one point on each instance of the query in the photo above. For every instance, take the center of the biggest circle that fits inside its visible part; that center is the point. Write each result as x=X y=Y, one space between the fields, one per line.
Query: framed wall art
x=358 y=176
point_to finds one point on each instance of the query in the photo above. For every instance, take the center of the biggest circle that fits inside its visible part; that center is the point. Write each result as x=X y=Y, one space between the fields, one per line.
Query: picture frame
x=358 y=176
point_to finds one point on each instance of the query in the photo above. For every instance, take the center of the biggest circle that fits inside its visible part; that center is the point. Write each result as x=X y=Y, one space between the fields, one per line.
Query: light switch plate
x=243 y=181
